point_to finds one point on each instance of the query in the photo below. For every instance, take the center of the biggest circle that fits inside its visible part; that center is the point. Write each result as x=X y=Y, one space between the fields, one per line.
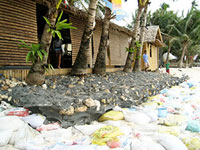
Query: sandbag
x=171 y=142
x=22 y=136
x=34 y=120
x=112 y=115
x=136 y=117
x=5 y=136
x=105 y=134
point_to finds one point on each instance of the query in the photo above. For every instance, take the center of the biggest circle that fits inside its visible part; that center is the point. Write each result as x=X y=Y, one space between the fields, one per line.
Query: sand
x=193 y=73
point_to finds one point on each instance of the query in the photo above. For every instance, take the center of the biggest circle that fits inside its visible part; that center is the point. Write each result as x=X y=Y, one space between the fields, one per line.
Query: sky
x=179 y=5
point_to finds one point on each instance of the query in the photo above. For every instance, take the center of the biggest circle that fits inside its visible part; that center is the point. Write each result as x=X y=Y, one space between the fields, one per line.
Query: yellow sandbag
x=154 y=97
x=170 y=130
x=105 y=134
x=112 y=115
x=192 y=143
x=173 y=120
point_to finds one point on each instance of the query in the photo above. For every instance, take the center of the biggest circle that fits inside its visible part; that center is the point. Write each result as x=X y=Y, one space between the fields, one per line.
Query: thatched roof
x=153 y=35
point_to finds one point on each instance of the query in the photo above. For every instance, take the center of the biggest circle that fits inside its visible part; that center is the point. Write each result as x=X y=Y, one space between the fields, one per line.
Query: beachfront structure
x=152 y=42
x=23 y=20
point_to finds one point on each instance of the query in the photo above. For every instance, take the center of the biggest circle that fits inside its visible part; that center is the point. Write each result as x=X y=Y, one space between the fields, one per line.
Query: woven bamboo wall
x=118 y=44
x=76 y=35
x=18 y=22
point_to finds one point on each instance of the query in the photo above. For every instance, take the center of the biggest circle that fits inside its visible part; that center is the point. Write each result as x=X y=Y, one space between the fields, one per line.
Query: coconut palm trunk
x=36 y=75
x=180 y=63
x=80 y=64
x=128 y=65
x=100 y=65
x=137 y=66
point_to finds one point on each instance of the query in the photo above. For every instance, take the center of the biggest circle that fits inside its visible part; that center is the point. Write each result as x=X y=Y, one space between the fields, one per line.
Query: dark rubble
x=79 y=100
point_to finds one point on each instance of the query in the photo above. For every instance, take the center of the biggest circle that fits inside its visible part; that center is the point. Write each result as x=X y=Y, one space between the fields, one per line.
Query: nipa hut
x=23 y=20
x=152 y=42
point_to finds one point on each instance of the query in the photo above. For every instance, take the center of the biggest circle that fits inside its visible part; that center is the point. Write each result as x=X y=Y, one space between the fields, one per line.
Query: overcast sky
x=131 y=5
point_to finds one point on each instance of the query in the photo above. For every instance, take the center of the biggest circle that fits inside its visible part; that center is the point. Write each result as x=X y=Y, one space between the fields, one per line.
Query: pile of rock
x=80 y=100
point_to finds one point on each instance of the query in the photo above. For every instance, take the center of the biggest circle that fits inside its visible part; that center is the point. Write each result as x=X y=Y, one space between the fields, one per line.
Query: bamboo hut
x=152 y=42
x=23 y=20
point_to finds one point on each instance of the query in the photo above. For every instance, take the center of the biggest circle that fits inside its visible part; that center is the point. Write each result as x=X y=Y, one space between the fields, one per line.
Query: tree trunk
x=36 y=74
x=100 y=64
x=80 y=64
x=128 y=65
x=137 y=66
x=180 y=63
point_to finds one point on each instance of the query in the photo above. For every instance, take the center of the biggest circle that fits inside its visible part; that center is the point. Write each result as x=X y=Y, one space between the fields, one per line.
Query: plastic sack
x=113 y=144
x=13 y=123
x=171 y=142
x=22 y=136
x=18 y=111
x=48 y=127
x=88 y=129
x=144 y=145
x=193 y=126
x=60 y=146
x=162 y=112
x=192 y=143
x=112 y=115
x=5 y=136
x=105 y=134
x=174 y=130
x=8 y=147
x=136 y=117
x=34 y=120
x=173 y=120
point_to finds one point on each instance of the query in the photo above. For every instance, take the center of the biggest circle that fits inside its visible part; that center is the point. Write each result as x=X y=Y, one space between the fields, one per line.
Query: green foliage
x=35 y=53
x=48 y=67
x=135 y=48
x=60 y=25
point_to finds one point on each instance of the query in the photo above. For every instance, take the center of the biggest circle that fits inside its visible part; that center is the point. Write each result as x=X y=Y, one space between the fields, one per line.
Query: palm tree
x=100 y=64
x=80 y=64
x=186 y=30
x=137 y=65
x=36 y=74
x=129 y=59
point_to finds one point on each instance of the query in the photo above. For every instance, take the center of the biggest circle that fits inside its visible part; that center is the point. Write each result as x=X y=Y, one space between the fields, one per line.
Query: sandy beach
x=193 y=73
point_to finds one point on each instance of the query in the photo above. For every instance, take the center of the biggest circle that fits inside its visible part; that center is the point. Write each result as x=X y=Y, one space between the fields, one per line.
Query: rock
x=81 y=109
x=71 y=103
x=103 y=101
x=68 y=112
x=44 y=86
x=71 y=86
x=107 y=90
x=89 y=102
x=5 y=87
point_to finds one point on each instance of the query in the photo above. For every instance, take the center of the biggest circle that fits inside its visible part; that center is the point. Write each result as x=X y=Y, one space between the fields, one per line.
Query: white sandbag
x=11 y=123
x=61 y=146
x=5 y=136
x=136 y=117
x=152 y=113
x=34 y=120
x=59 y=135
x=145 y=145
x=22 y=136
x=8 y=147
x=171 y=142
x=88 y=129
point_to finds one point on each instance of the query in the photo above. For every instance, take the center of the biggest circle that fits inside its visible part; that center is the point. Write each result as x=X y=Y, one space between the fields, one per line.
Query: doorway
x=66 y=58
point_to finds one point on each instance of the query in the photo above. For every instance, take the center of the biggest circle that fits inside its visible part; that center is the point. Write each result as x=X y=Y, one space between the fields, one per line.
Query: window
x=150 y=50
